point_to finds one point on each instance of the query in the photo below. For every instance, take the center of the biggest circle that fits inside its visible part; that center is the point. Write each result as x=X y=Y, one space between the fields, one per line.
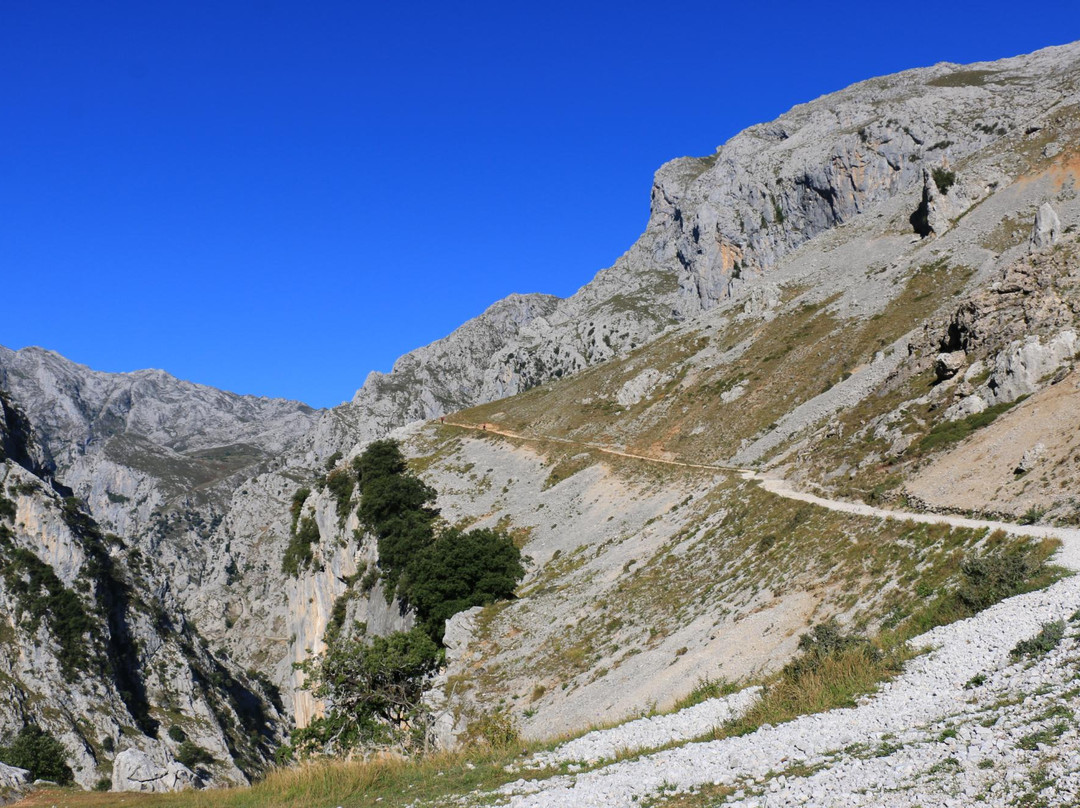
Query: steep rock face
x=719 y=224
x=131 y=444
x=775 y=186
x=18 y=440
x=100 y=657
x=343 y=554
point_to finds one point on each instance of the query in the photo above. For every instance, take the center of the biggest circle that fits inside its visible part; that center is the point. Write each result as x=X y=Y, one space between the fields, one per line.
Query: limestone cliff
x=98 y=653
x=719 y=224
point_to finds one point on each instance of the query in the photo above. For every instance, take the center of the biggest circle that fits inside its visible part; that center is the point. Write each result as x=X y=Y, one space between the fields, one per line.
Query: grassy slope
x=741 y=553
x=781 y=364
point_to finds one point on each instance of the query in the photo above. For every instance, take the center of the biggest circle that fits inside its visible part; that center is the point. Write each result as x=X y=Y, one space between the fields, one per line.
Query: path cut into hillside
x=969 y=722
x=1068 y=555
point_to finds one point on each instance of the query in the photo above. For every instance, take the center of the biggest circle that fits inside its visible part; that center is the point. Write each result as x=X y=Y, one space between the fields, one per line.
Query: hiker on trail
x=485 y=427
x=442 y=419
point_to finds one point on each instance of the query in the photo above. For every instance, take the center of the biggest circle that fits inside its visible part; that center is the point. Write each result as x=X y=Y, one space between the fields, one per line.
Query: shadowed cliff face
x=96 y=650
x=18 y=442
x=766 y=272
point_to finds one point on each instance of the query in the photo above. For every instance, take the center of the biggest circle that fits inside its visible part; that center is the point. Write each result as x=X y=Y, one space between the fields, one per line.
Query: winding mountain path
x=1068 y=555
x=965 y=724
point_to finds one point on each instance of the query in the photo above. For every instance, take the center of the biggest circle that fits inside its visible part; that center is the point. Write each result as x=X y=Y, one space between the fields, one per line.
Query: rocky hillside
x=846 y=296
x=97 y=653
x=132 y=444
x=720 y=226
x=920 y=353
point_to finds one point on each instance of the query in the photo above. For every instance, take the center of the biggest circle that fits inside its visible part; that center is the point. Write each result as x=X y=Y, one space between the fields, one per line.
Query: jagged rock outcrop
x=1019 y=329
x=1022 y=366
x=19 y=441
x=1031 y=292
x=1019 y=370
x=134 y=770
x=944 y=200
x=1047 y=227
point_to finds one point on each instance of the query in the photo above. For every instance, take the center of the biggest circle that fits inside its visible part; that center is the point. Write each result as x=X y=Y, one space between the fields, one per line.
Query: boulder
x=970 y=405
x=1025 y=364
x=900 y=445
x=948 y=365
x=761 y=302
x=1047 y=227
x=735 y=392
x=135 y=770
x=639 y=387
x=1030 y=458
x=12 y=778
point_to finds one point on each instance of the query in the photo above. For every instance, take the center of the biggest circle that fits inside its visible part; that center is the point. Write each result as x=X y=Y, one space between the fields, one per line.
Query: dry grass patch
x=386 y=782
x=962 y=78
x=779 y=364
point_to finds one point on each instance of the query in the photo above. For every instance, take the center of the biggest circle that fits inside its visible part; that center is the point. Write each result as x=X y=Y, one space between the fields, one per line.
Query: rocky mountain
x=132 y=444
x=98 y=655
x=719 y=225
x=847 y=297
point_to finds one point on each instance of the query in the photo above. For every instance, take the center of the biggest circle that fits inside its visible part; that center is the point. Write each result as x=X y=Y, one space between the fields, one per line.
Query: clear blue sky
x=276 y=198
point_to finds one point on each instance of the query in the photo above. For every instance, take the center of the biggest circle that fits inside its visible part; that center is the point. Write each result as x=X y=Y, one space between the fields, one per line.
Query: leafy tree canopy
x=372 y=691
x=461 y=570
x=396 y=506
x=383 y=458
x=40 y=753
x=405 y=536
x=387 y=498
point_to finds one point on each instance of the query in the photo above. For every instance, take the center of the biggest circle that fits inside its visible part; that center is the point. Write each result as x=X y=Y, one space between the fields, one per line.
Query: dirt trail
x=1068 y=555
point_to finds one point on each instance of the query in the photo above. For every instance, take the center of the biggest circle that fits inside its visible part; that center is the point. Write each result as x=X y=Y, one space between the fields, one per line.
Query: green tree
x=193 y=755
x=341 y=484
x=383 y=458
x=402 y=539
x=297 y=506
x=995 y=575
x=40 y=753
x=396 y=506
x=458 y=571
x=387 y=498
x=372 y=691
x=299 y=553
